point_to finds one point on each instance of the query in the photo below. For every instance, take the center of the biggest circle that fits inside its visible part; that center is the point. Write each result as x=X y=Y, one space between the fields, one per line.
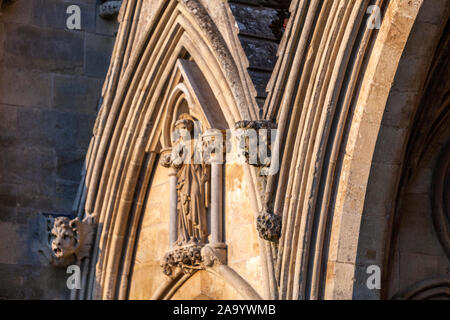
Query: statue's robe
x=192 y=223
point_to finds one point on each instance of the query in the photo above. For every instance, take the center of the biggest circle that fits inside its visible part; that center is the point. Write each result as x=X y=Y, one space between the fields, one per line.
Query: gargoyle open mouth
x=57 y=252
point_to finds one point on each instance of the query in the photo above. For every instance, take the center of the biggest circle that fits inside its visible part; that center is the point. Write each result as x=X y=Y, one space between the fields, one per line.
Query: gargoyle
x=67 y=241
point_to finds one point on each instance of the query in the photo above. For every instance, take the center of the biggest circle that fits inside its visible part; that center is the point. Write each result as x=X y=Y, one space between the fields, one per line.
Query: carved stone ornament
x=166 y=158
x=269 y=226
x=262 y=140
x=213 y=149
x=213 y=254
x=109 y=9
x=193 y=257
x=186 y=258
x=66 y=241
x=255 y=124
x=268 y=223
x=190 y=158
x=192 y=179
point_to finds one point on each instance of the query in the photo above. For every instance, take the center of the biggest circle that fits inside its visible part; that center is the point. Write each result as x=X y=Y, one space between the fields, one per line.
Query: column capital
x=167 y=162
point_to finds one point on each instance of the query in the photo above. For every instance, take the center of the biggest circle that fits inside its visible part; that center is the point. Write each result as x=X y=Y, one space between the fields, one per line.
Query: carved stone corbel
x=213 y=254
x=268 y=223
x=187 y=258
x=262 y=128
x=190 y=258
x=109 y=9
x=65 y=241
x=213 y=147
x=166 y=158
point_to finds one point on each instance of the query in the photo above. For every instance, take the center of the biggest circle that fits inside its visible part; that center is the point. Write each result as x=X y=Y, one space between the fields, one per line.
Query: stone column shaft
x=173 y=224
x=216 y=203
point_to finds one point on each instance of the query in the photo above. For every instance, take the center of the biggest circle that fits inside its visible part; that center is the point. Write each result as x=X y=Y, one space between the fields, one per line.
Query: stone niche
x=197 y=227
x=240 y=235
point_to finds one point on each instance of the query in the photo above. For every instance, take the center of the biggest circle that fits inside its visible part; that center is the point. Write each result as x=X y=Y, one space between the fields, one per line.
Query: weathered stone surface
x=142 y=286
x=282 y=4
x=256 y=21
x=47 y=115
x=32 y=282
x=44 y=49
x=53 y=14
x=98 y=54
x=27 y=163
x=416 y=266
x=261 y=54
x=404 y=102
x=15 y=84
x=2 y=36
x=269 y=226
x=109 y=9
x=260 y=27
x=388 y=133
x=417 y=217
x=432 y=14
x=18 y=11
x=106 y=26
x=76 y=94
x=204 y=286
x=260 y=102
x=70 y=164
x=64 y=196
x=238 y=212
x=64 y=131
x=260 y=80
x=8 y=125
x=8 y=253
x=385 y=195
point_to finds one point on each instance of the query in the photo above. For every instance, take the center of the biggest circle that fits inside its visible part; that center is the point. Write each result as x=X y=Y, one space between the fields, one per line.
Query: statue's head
x=64 y=238
x=185 y=122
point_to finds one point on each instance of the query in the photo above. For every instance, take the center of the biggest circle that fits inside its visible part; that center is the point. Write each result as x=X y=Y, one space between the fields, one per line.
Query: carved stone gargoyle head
x=68 y=240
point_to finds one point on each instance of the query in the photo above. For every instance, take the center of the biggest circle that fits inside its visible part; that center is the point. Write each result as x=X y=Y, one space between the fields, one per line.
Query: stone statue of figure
x=192 y=178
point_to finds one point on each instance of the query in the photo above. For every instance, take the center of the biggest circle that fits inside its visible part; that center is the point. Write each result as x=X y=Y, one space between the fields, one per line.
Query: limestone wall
x=153 y=238
x=240 y=235
x=50 y=85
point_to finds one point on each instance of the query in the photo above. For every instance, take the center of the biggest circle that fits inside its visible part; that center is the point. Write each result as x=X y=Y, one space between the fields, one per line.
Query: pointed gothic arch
x=328 y=93
x=330 y=112
x=182 y=63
